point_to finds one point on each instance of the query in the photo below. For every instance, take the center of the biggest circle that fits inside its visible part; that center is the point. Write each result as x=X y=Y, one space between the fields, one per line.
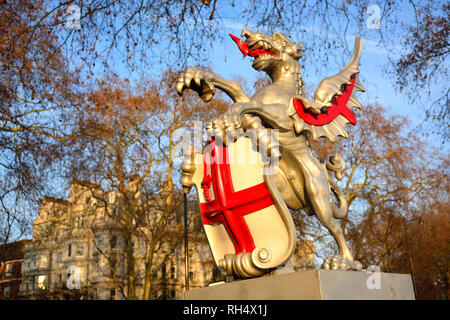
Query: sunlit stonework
x=77 y=252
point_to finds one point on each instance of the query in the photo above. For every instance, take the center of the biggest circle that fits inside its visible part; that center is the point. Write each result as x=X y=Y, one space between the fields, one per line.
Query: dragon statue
x=303 y=180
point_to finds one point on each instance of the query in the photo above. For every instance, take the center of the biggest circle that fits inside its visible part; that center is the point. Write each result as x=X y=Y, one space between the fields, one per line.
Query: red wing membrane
x=338 y=107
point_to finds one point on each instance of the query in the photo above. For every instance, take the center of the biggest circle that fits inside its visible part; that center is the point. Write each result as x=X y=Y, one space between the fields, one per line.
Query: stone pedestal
x=313 y=285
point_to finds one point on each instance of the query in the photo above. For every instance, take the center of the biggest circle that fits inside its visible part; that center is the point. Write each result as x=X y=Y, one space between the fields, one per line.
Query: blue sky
x=226 y=60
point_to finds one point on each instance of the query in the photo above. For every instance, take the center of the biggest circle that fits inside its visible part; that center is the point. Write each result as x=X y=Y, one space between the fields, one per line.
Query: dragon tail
x=336 y=164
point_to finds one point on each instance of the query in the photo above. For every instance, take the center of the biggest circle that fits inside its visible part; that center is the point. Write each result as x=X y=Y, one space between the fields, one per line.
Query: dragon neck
x=288 y=73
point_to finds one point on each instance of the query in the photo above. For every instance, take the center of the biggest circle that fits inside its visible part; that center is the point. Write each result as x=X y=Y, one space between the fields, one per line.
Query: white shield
x=242 y=210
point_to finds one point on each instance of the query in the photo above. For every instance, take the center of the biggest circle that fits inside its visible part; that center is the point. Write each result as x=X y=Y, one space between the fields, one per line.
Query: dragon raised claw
x=303 y=180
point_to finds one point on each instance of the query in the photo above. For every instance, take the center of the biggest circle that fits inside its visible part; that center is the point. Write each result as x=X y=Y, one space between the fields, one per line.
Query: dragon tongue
x=243 y=46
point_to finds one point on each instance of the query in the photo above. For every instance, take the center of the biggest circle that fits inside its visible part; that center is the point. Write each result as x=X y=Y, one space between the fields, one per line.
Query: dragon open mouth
x=255 y=49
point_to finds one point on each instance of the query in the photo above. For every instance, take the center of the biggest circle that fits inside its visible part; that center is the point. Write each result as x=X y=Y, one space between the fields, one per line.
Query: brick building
x=11 y=259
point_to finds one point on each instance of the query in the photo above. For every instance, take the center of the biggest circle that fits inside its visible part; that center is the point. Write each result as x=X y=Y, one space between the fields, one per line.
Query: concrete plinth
x=313 y=285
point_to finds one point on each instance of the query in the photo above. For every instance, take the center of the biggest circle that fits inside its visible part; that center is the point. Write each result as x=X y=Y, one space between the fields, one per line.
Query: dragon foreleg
x=205 y=83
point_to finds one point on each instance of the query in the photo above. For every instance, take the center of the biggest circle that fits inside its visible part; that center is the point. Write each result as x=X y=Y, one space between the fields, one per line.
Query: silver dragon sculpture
x=304 y=181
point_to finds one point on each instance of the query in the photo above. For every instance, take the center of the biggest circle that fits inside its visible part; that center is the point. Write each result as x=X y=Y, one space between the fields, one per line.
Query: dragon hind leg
x=318 y=194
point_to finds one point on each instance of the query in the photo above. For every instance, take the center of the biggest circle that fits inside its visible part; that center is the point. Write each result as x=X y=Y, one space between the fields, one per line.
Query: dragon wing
x=329 y=112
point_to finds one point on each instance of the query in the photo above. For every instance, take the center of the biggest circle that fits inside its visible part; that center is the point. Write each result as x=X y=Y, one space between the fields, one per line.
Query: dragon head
x=271 y=53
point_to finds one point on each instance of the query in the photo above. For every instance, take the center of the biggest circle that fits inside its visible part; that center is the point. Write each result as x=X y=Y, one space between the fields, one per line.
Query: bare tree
x=394 y=180
x=36 y=98
x=127 y=143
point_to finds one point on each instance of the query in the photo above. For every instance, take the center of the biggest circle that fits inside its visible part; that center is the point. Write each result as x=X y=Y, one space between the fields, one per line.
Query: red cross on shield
x=229 y=206
x=241 y=208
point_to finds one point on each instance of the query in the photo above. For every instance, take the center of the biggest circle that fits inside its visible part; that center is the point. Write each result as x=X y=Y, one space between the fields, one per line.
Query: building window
x=43 y=261
x=112 y=294
x=172 y=272
x=69 y=252
x=79 y=249
x=74 y=277
x=113 y=262
x=113 y=242
x=163 y=270
x=111 y=197
x=95 y=263
x=31 y=283
x=9 y=269
x=6 y=292
x=42 y=282
x=154 y=271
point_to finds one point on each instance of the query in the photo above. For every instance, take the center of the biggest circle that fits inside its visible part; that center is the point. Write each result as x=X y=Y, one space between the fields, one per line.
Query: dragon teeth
x=261 y=44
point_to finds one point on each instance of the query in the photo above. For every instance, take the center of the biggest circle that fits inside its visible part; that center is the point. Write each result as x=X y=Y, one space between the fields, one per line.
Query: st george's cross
x=248 y=226
x=229 y=206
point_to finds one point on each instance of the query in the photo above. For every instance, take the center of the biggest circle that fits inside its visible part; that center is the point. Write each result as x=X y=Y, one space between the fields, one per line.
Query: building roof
x=13 y=250
x=47 y=199
x=84 y=183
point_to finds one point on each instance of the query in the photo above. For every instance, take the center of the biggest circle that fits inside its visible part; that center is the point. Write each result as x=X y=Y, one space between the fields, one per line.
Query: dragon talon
x=197 y=79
